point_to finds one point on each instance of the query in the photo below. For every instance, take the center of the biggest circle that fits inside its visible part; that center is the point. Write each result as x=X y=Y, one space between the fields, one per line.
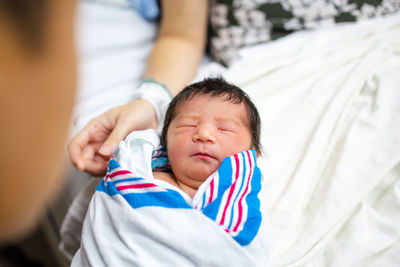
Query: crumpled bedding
x=330 y=107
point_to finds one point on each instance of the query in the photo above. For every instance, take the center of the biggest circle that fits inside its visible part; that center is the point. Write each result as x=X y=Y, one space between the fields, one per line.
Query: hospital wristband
x=157 y=94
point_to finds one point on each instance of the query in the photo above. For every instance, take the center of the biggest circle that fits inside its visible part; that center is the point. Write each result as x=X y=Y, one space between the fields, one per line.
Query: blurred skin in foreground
x=37 y=82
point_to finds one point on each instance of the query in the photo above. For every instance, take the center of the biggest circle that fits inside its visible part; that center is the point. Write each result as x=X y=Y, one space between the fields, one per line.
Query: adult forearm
x=174 y=62
x=181 y=43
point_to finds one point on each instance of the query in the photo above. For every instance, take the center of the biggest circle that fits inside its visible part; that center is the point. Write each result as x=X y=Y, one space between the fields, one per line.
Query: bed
x=330 y=106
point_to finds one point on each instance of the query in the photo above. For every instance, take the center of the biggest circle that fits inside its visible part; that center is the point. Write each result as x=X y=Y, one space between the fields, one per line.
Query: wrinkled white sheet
x=330 y=107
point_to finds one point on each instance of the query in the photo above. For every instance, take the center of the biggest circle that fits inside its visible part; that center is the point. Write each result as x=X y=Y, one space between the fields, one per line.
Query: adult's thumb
x=112 y=141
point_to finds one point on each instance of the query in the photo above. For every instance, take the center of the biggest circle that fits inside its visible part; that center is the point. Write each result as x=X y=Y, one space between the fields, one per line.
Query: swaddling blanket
x=134 y=219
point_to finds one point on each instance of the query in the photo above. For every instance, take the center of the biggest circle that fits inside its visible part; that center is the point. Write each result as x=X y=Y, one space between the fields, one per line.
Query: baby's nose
x=204 y=134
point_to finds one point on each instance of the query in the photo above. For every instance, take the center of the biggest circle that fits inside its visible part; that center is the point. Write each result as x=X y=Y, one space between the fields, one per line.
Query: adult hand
x=90 y=149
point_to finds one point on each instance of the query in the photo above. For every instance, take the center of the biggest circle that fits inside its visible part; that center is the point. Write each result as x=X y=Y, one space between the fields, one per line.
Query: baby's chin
x=201 y=174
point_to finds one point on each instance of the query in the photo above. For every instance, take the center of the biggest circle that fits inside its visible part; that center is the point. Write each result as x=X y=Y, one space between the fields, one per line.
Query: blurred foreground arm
x=37 y=82
x=173 y=62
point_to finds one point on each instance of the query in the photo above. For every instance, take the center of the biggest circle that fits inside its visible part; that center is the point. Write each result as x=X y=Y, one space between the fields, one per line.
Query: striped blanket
x=134 y=219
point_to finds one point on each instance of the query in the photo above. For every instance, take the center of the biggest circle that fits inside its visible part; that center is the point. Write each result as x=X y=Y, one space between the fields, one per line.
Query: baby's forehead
x=181 y=110
x=210 y=99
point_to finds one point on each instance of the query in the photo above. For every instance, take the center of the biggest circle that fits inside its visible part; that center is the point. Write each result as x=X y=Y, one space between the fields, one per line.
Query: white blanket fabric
x=136 y=220
x=330 y=107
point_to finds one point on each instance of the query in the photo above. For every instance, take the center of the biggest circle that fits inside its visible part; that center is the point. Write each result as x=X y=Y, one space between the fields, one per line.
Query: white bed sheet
x=330 y=107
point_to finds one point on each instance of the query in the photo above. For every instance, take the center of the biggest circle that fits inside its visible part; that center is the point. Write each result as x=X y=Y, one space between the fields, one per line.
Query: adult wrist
x=157 y=94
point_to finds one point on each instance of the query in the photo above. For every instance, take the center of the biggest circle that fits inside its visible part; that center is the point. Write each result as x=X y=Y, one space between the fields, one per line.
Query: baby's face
x=205 y=131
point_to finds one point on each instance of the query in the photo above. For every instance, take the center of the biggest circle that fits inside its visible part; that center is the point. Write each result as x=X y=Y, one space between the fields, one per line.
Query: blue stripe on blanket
x=241 y=181
x=242 y=184
x=168 y=199
x=211 y=210
x=138 y=192
x=254 y=217
x=230 y=199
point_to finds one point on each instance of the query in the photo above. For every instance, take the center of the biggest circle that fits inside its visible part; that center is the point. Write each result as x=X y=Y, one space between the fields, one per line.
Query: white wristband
x=157 y=94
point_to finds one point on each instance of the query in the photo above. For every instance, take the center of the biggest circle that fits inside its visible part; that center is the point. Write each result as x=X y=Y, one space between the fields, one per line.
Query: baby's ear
x=258 y=153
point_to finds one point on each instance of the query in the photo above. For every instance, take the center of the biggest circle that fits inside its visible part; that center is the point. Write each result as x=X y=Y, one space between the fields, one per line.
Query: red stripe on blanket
x=122 y=172
x=135 y=186
x=231 y=190
x=244 y=193
x=212 y=191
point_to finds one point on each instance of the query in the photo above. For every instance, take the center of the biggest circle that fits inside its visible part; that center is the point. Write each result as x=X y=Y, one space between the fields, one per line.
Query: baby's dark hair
x=216 y=87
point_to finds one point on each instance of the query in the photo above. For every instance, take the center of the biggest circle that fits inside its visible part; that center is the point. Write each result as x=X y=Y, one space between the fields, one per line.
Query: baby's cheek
x=172 y=157
x=235 y=147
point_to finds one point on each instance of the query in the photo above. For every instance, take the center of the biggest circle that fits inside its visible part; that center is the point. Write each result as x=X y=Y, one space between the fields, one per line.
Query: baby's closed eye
x=227 y=127
x=188 y=125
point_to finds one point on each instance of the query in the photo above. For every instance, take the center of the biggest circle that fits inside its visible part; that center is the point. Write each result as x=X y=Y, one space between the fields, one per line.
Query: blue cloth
x=159 y=160
x=148 y=9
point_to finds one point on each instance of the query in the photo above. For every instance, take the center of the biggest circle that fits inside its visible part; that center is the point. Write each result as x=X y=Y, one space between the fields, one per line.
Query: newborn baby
x=207 y=122
x=203 y=208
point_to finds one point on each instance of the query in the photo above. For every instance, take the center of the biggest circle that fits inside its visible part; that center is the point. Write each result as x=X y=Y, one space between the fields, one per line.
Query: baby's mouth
x=202 y=155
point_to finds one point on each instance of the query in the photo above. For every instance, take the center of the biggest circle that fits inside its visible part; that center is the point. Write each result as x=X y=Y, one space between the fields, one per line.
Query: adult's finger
x=117 y=135
x=96 y=167
x=76 y=146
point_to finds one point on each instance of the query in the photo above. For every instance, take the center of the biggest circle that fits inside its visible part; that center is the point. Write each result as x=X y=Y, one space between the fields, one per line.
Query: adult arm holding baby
x=173 y=62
